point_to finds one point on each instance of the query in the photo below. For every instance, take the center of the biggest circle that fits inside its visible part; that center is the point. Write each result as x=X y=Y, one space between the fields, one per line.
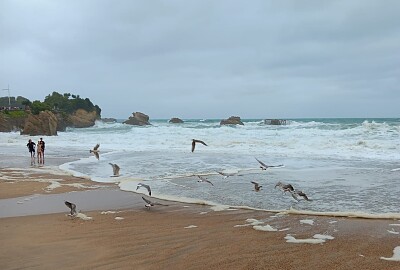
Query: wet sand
x=178 y=236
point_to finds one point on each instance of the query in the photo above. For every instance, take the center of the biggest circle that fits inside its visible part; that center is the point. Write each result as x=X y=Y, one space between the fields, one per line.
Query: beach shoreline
x=178 y=236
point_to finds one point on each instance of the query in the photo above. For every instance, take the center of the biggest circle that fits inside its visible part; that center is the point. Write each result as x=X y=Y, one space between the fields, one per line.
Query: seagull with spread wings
x=264 y=166
x=300 y=193
x=115 y=168
x=145 y=186
x=150 y=204
x=96 y=151
x=257 y=186
x=285 y=187
x=194 y=141
x=203 y=179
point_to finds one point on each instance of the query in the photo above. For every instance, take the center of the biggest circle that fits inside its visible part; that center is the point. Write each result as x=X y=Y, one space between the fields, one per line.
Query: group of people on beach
x=40 y=146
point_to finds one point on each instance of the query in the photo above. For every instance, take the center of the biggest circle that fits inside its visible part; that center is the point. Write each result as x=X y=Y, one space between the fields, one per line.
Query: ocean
x=346 y=166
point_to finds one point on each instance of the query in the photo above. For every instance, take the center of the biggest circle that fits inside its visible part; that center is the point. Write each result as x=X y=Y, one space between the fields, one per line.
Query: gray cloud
x=207 y=59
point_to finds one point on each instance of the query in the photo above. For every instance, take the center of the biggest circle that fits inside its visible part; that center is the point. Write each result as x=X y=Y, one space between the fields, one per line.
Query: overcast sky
x=207 y=59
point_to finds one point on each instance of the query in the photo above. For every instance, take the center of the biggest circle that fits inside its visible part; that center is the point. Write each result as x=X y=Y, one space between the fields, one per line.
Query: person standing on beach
x=31 y=146
x=43 y=145
x=39 y=152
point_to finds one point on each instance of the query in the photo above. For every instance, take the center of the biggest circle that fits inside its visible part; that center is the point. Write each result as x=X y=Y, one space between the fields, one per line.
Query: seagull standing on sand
x=96 y=151
x=71 y=206
x=202 y=179
x=264 y=166
x=145 y=186
x=194 y=141
x=150 y=203
x=257 y=187
x=115 y=168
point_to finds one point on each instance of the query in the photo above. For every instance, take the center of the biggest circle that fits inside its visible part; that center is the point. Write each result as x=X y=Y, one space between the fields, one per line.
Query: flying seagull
x=115 y=168
x=194 y=141
x=257 y=187
x=264 y=166
x=226 y=175
x=145 y=186
x=71 y=206
x=301 y=194
x=150 y=203
x=285 y=187
x=202 y=179
x=96 y=151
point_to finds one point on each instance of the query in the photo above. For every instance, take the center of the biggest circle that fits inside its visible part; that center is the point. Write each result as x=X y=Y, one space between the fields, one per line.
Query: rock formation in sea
x=233 y=120
x=275 y=121
x=175 y=120
x=108 y=120
x=82 y=119
x=138 y=119
x=45 y=123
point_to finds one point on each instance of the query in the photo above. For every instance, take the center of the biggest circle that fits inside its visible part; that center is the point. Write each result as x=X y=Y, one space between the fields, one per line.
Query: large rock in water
x=45 y=123
x=82 y=118
x=176 y=120
x=233 y=120
x=138 y=119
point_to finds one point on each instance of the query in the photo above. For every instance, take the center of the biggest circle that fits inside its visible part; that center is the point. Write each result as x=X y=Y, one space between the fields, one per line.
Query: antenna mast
x=9 y=99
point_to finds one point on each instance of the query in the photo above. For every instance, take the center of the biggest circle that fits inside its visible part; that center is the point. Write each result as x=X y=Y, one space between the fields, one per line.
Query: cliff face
x=8 y=124
x=45 y=123
x=82 y=119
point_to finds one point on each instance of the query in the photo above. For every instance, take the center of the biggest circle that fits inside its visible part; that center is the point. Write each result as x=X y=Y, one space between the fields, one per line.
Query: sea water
x=343 y=165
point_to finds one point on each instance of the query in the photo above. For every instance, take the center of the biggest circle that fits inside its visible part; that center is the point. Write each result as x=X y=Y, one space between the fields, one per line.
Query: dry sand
x=183 y=236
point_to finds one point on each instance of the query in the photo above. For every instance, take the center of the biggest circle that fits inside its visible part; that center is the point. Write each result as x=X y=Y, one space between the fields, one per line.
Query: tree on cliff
x=64 y=103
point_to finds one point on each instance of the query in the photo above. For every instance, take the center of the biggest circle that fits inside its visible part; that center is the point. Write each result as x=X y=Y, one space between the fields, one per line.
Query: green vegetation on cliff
x=65 y=103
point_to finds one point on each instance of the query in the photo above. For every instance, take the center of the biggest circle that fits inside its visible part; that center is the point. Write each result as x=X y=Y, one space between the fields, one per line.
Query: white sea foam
x=323 y=236
x=83 y=216
x=307 y=221
x=265 y=228
x=108 y=212
x=394 y=224
x=396 y=255
x=190 y=227
x=291 y=239
x=119 y=218
x=392 y=231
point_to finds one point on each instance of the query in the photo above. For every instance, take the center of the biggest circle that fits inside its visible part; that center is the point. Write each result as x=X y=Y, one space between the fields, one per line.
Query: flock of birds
x=296 y=194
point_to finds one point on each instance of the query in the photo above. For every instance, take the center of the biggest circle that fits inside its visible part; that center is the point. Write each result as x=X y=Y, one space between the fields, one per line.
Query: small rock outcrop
x=175 y=120
x=233 y=120
x=82 y=118
x=108 y=120
x=138 y=119
x=45 y=123
x=275 y=121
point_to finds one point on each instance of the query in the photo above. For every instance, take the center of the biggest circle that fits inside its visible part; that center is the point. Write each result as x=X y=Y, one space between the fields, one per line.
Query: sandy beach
x=177 y=236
